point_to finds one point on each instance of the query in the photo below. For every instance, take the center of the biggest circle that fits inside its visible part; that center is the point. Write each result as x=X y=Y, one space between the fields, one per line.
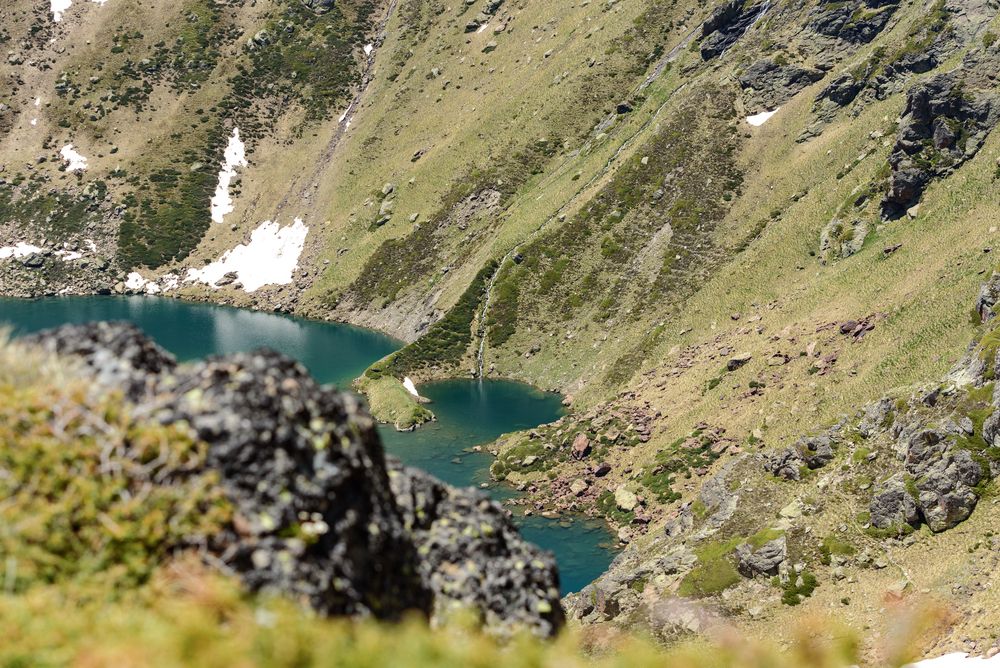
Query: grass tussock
x=91 y=496
x=189 y=617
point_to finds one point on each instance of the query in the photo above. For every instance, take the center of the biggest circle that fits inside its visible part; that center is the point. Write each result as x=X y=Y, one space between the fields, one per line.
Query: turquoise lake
x=469 y=412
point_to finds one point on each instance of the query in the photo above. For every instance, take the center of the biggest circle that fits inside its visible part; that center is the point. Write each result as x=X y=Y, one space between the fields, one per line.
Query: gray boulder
x=893 y=505
x=596 y=602
x=116 y=353
x=841 y=239
x=946 y=495
x=319 y=6
x=763 y=561
x=785 y=464
x=472 y=556
x=815 y=451
x=877 y=417
x=941 y=491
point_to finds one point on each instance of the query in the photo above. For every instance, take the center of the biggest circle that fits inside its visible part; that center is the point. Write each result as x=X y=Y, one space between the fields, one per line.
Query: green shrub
x=715 y=571
x=794 y=591
x=832 y=545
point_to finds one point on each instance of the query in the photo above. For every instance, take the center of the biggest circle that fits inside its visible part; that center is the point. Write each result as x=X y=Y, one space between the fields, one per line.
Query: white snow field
x=271 y=257
x=234 y=158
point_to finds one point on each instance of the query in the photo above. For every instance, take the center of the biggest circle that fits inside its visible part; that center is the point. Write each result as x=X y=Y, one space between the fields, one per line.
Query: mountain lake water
x=470 y=412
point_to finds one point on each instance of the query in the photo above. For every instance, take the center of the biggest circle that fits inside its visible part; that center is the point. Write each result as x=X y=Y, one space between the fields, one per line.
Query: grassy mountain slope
x=578 y=184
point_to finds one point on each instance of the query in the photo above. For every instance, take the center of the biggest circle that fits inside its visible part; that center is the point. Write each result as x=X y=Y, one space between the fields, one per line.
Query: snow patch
x=18 y=250
x=59 y=7
x=235 y=157
x=410 y=387
x=369 y=48
x=170 y=282
x=135 y=281
x=759 y=119
x=271 y=257
x=74 y=161
x=483 y=28
x=23 y=249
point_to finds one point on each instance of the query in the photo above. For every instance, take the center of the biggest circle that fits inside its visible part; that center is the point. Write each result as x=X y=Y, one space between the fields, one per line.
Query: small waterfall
x=481 y=327
x=763 y=10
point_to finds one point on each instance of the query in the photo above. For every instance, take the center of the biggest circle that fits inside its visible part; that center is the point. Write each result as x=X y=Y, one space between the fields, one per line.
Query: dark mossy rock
x=944 y=124
x=726 y=25
x=321 y=514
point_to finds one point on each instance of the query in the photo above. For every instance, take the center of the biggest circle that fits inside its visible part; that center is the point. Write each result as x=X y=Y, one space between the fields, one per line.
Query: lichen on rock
x=319 y=512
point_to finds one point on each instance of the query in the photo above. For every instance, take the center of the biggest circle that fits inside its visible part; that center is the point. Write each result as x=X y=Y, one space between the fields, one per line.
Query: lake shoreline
x=455 y=448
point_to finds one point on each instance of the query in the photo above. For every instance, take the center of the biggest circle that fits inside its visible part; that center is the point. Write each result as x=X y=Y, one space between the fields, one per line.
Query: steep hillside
x=118 y=116
x=715 y=228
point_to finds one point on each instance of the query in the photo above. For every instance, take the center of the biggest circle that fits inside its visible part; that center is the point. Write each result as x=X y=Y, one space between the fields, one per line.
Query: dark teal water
x=470 y=413
x=333 y=353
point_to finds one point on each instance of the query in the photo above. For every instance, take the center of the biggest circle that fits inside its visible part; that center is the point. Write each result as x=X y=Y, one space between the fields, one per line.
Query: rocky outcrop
x=989 y=296
x=489 y=9
x=471 y=555
x=841 y=239
x=943 y=30
x=626 y=590
x=944 y=124
x=319 y=6
x=854 y=22
x=894 y=506
x=767 y=85
x=870 y=81
x=937 y=488
x=763 y=561
x=322 y=514
x=117 y=354
x=50 y=272
x=726 y=25
x=812 y=452
x=842 y=90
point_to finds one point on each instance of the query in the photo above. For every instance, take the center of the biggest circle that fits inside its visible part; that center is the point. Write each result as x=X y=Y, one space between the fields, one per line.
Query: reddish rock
x=581 y=446
x=602 y=469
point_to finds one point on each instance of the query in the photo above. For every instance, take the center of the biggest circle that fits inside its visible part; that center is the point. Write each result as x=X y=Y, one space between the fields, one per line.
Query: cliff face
x=317 y=511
